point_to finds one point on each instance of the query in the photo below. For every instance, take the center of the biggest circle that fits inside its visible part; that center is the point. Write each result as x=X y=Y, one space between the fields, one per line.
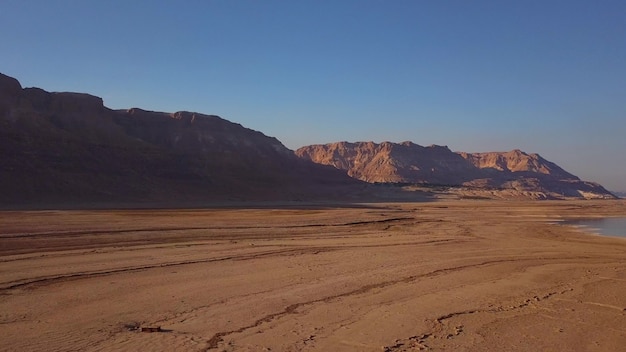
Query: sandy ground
x=447 y=275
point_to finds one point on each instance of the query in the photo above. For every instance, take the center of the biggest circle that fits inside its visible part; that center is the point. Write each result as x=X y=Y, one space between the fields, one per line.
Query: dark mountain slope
x=68 y=147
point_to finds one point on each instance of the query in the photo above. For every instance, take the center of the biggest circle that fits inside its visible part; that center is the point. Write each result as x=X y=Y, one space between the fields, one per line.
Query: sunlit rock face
x=408 y=162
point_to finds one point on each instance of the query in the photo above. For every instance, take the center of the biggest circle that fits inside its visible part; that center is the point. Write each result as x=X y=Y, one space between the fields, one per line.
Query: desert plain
x=453 y=275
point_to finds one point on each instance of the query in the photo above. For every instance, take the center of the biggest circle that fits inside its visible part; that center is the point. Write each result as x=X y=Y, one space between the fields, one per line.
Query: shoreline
x=585 y=225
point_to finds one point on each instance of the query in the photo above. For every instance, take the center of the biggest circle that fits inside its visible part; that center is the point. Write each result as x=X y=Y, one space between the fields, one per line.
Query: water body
x=603 y=226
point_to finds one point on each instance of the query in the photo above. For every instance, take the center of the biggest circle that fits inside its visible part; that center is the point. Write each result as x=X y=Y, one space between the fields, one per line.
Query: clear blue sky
x=539 y=75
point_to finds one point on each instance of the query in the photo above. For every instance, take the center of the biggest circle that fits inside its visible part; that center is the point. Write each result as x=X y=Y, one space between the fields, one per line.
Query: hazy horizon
x=545 y=77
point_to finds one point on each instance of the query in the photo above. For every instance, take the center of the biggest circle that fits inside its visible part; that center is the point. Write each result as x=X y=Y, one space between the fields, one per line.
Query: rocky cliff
x=437 y=165
x=69 y=147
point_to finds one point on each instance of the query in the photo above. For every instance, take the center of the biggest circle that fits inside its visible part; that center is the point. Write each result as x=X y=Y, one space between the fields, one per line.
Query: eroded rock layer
x=408 y=162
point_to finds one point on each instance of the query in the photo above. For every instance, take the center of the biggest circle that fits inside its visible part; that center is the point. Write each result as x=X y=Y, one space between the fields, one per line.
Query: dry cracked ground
x=433 y=276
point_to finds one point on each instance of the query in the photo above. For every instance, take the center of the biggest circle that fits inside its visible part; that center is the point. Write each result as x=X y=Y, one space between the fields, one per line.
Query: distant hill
x=437 y=165
x=621 y=194
x=69 y=147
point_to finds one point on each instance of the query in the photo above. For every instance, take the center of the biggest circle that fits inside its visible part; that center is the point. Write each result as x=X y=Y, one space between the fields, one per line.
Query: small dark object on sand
x=152 y=329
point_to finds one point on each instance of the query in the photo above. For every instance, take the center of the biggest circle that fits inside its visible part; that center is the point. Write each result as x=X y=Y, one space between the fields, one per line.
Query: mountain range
x=410 y=163
x=69 y=147
x=60 y=147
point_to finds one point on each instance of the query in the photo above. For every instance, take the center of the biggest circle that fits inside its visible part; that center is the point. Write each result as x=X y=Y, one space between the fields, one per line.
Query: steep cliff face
x=411 y=163
x=10 y=90
x=58 y=147
x=193 y=132
x=391 y=162
x=517 y=161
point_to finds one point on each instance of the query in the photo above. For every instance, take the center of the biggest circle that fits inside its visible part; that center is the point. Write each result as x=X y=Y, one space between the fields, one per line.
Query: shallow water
x=603 y=226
